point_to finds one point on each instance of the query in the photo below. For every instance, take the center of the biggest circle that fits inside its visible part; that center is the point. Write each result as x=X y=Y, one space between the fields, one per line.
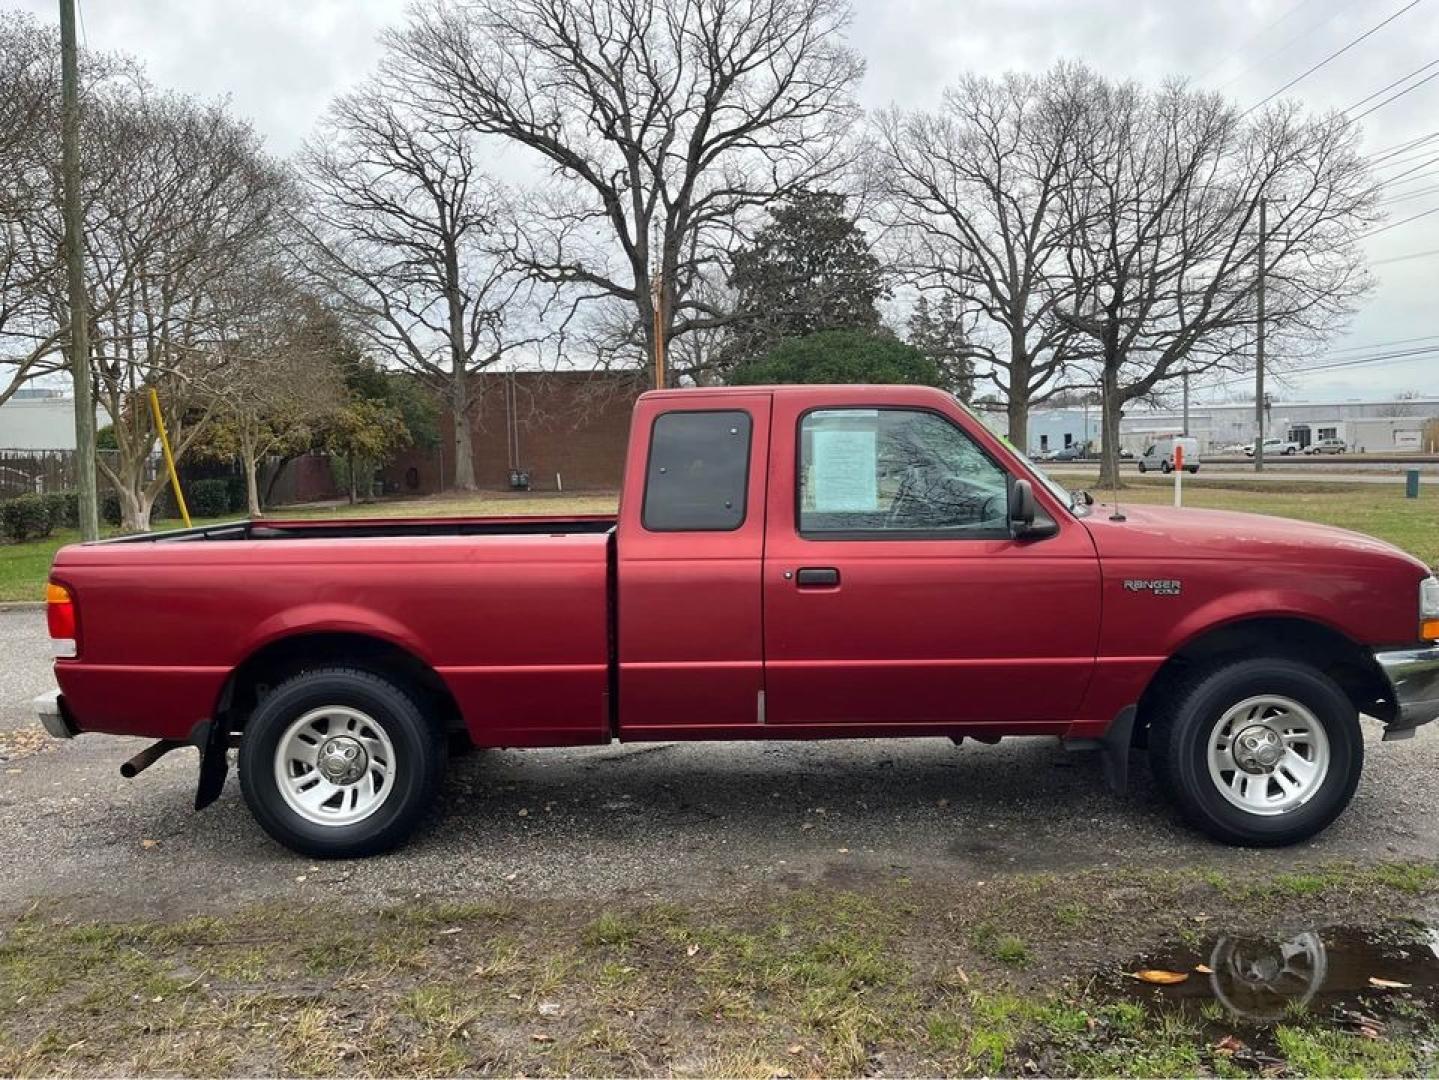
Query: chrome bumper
x=53 y=716
x=1413 y=676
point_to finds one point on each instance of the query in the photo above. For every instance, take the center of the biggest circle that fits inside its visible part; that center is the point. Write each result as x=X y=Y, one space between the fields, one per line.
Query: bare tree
x=971 y=193
x=412 y=237
x=30 y=336
x=665 y=123
x=283 y=380
x=1162 y=209
x=185 y=200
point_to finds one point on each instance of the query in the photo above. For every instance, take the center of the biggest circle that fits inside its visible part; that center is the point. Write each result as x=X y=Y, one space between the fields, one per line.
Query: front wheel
x=1192 y=469
x=1262 y=752
x=340 y=763
x=1142 y=468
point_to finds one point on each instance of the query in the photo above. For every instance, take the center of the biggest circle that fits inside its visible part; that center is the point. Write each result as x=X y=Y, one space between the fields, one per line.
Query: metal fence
x=24 y=471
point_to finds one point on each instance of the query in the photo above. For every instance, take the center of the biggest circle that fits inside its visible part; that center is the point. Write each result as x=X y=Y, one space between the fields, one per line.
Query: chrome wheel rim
x=1268 y=755
x=335 y=766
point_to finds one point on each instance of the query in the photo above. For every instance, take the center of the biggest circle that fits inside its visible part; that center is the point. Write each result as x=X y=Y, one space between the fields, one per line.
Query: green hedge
x=25 y=517
x=209 y=498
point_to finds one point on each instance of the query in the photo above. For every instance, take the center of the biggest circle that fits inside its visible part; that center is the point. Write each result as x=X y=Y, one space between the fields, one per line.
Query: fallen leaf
x=524 y=813
x=1229 y=1045
x=148 y=843
x=541 y=1037
x=1204 y=969
x=451 y=930
x=1387 y=984
x=692 y=950
x=797 y=1048
x=962 y=976
x=1159 y=978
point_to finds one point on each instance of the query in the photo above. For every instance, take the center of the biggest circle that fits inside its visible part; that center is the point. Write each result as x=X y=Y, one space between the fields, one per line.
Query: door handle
x=817 y=577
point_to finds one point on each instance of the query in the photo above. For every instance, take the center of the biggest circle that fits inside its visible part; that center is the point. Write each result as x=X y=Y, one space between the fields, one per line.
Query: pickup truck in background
x=787 y=563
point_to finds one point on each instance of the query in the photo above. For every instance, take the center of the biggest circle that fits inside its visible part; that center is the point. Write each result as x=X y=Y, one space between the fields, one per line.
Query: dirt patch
x=1013 y=976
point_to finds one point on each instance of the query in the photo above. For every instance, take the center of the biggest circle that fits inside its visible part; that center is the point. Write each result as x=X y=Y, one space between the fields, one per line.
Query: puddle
x=1258 y=981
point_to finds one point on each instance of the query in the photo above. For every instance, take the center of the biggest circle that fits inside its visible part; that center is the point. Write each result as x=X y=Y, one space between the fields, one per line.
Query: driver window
x=871 y=472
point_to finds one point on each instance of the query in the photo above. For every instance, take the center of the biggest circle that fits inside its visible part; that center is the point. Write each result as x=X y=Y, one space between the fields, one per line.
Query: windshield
x=1057 y=490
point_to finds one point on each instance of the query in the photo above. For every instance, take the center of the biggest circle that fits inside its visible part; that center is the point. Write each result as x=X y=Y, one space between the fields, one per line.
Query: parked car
x=1327 y=446
x=1069 y=453
x=1275 y=448
x=1161 y=455
x=1126 y=455
x=796 y=562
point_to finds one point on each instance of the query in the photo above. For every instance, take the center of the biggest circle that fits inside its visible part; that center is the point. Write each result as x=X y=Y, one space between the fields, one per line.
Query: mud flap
x=1113 y=749
x=212 y=740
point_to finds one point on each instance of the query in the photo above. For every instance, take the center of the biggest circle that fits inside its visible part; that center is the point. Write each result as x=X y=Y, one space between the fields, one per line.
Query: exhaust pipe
x=148 y=756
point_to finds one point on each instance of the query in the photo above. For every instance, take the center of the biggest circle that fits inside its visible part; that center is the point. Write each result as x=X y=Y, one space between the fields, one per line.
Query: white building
x=1373 y=426
x=40 y=418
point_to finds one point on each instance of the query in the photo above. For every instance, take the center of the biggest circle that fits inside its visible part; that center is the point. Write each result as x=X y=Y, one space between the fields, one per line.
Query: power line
x=1252 y=38
x=1412 y=169
x=1413 y=179
x=1406 y=258
x=1379 y=360
x=1384 y=344
x=1396 y=224
x=1296 y=39
x=1391 y=86
x=1407 y=196
x=1403 y=147
x=1395 y=97
x=1333 y=56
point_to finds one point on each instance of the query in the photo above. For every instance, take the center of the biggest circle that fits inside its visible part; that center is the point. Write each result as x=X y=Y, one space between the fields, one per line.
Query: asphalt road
x=683 y=820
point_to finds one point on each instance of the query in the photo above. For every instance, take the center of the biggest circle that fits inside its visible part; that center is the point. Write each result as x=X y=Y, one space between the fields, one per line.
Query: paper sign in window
x=845 y=472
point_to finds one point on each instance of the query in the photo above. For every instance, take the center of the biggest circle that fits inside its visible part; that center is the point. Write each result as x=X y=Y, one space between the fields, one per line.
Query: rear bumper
x=1413 y=676
x=54 y=715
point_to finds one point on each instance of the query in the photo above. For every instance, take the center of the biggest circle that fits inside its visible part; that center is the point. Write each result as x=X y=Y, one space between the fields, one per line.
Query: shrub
x=110 y=507
x=25 y=517
x=238 y=496
x=64 y=509
x=210 y=498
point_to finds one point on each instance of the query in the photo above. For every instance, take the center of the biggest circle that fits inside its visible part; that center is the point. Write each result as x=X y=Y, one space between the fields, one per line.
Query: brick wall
x=565 y=428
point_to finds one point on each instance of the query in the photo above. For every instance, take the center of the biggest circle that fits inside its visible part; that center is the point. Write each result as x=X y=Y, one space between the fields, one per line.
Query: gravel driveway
x=643 y=820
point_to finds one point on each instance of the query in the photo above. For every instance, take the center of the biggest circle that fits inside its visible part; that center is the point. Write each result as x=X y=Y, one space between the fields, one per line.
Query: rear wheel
x=1261 y=752
x=1142 y=468
x=340 y=763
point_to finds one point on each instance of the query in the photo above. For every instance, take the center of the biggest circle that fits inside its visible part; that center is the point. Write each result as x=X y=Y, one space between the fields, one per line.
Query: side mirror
x=1021 y=507
x=1026 y=521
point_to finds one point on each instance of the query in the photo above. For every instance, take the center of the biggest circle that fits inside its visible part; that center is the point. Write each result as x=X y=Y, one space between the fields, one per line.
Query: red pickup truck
x=787 y=563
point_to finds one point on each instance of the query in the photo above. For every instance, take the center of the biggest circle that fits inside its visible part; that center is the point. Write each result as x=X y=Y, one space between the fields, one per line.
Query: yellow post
x=169 y=457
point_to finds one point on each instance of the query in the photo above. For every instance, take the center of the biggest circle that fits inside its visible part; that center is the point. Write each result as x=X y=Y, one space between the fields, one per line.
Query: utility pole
x=1259 y=341
x=1185 y=374
x=75 y=268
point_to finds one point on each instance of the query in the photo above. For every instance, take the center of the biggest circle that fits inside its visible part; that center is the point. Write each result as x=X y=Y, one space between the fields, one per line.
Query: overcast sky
x=280 y=63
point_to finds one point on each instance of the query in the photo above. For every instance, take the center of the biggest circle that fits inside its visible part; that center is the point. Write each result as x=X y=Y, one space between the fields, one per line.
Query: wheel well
x=1341 y=658
x=272 y=664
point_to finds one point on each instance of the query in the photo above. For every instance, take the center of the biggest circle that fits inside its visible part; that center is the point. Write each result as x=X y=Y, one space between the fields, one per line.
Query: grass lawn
x=1022 y=975
x=1380 y=510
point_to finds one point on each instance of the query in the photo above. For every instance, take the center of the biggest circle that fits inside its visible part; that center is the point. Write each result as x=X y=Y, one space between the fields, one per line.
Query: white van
x=1160 y=455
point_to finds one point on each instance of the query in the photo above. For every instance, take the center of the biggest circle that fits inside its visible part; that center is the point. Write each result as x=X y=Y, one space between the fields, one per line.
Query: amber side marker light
x=60 y=615
x=1429 y=630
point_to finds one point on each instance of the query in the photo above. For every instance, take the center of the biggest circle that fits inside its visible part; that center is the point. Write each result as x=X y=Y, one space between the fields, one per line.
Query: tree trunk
x=1113 y=406
x=1018 y=406
x=464 y=478
x=252 y=486
x=134 y=509
x=353 y=496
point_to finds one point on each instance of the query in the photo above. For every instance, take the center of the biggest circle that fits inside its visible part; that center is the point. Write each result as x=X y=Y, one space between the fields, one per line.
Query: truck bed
x=512 y=614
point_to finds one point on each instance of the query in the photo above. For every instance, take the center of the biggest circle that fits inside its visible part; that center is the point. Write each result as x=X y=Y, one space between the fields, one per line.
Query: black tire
x=419 y=751
x=1178 y=749
x=1142 y=468
x=1166 y=468
x=1192 y=469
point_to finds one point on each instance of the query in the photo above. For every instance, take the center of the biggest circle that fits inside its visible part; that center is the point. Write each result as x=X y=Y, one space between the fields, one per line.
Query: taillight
x=60 y=614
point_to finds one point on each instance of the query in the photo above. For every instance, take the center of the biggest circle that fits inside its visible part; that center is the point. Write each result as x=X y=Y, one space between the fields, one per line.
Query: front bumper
x=1413 y=676
x=53 y=715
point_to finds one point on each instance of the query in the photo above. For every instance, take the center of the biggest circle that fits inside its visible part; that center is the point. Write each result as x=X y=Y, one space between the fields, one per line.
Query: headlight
x=1429 y=609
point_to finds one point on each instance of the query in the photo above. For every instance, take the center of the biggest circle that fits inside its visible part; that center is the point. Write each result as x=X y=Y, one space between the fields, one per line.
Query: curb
x=22 y=605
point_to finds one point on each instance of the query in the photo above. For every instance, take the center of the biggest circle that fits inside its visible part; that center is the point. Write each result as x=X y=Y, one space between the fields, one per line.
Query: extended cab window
x=698 y=472
x=896 y=471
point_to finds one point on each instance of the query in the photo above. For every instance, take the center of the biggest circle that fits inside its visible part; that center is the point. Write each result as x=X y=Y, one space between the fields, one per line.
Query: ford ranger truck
x=799 y=562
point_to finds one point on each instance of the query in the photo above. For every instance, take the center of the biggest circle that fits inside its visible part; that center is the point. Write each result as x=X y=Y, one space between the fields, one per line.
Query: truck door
x=894 y=594
x=690 y=550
